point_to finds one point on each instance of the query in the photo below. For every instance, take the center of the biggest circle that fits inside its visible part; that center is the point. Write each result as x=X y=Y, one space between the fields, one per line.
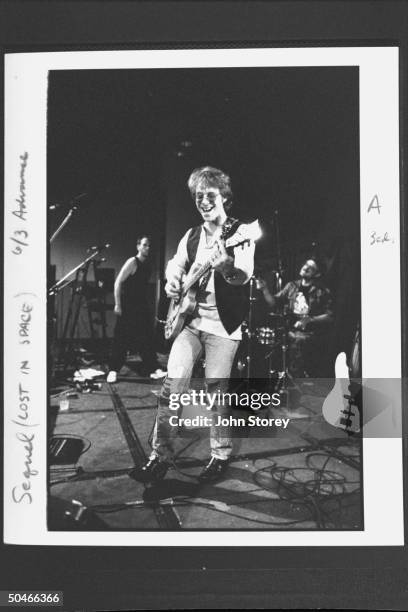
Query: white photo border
x=26 y=82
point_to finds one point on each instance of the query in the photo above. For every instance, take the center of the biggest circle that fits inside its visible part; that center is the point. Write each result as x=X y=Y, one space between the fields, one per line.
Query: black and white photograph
x=207 y=234
x=148 y=167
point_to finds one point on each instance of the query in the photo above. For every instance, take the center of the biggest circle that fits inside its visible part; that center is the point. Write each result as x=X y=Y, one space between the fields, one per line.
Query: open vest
x=232 y=300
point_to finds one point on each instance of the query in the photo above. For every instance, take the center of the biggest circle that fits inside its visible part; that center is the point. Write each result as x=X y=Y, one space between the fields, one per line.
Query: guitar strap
x=228 y=229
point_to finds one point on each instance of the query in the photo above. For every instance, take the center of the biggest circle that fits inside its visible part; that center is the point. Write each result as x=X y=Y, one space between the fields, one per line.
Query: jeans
x=219 y=356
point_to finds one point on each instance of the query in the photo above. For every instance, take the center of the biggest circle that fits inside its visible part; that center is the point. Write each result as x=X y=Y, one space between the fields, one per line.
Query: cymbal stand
x=286 y=383
x=250 y=330
x=279 y=272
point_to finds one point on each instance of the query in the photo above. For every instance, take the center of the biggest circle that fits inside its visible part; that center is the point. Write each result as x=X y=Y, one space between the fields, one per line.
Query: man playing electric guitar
x=214 y=327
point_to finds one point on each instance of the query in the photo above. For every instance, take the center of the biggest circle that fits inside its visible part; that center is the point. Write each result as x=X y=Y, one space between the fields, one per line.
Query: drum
x=265 y=336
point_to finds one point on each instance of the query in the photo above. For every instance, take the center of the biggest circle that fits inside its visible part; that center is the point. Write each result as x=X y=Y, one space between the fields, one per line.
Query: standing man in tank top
x=132 y=327
x=214 y=328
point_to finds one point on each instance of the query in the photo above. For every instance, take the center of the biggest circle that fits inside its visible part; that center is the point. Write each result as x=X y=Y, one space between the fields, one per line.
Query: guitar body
x=338 y=408
x=178 y=312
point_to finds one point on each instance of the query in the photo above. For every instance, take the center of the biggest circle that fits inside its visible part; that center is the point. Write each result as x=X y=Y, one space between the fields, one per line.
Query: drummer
x=310 y=306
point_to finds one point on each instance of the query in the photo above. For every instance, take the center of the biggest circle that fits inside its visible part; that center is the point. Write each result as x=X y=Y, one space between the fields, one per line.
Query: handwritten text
x=20 y=236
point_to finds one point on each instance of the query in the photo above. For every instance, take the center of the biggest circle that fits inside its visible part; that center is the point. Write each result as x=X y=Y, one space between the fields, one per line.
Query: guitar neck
x=230 y=242
x=196 y=276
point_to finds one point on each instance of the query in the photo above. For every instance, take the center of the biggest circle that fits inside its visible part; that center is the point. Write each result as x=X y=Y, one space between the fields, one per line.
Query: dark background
x=288 y=137
x=286 y=578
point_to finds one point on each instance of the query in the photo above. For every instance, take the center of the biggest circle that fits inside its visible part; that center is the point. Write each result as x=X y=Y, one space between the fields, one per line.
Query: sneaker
x=112 y=377
x=214 y=470
x=152 y=471
x=159 y=373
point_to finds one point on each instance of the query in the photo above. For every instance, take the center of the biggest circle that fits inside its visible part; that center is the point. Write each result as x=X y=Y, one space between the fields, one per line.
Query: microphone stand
x=51 y=315
x=279 y=273
x=61 y=283
x=63 y=223
x=78 y=293
x=74 y=208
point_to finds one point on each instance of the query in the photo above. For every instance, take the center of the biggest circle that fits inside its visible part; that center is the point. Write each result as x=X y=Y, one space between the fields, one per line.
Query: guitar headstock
x=246 y=232
x=228 y=227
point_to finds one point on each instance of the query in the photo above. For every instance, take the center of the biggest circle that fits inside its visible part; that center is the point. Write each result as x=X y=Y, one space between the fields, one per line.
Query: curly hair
x=211 y=177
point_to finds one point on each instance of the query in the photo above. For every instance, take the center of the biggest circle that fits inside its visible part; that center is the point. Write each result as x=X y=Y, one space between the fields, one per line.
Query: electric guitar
x=342 y=406
x=184 y=306
x=357 y=405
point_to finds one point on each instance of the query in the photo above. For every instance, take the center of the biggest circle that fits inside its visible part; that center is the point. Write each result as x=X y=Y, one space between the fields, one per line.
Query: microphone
x=72 y=203
x=98 y=247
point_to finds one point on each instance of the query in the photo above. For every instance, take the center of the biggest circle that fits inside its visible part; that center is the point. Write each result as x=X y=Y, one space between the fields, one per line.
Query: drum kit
x=265 y=349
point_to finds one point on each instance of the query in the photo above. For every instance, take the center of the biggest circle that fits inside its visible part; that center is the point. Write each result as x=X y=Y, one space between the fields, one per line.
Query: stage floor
x=305 y=477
